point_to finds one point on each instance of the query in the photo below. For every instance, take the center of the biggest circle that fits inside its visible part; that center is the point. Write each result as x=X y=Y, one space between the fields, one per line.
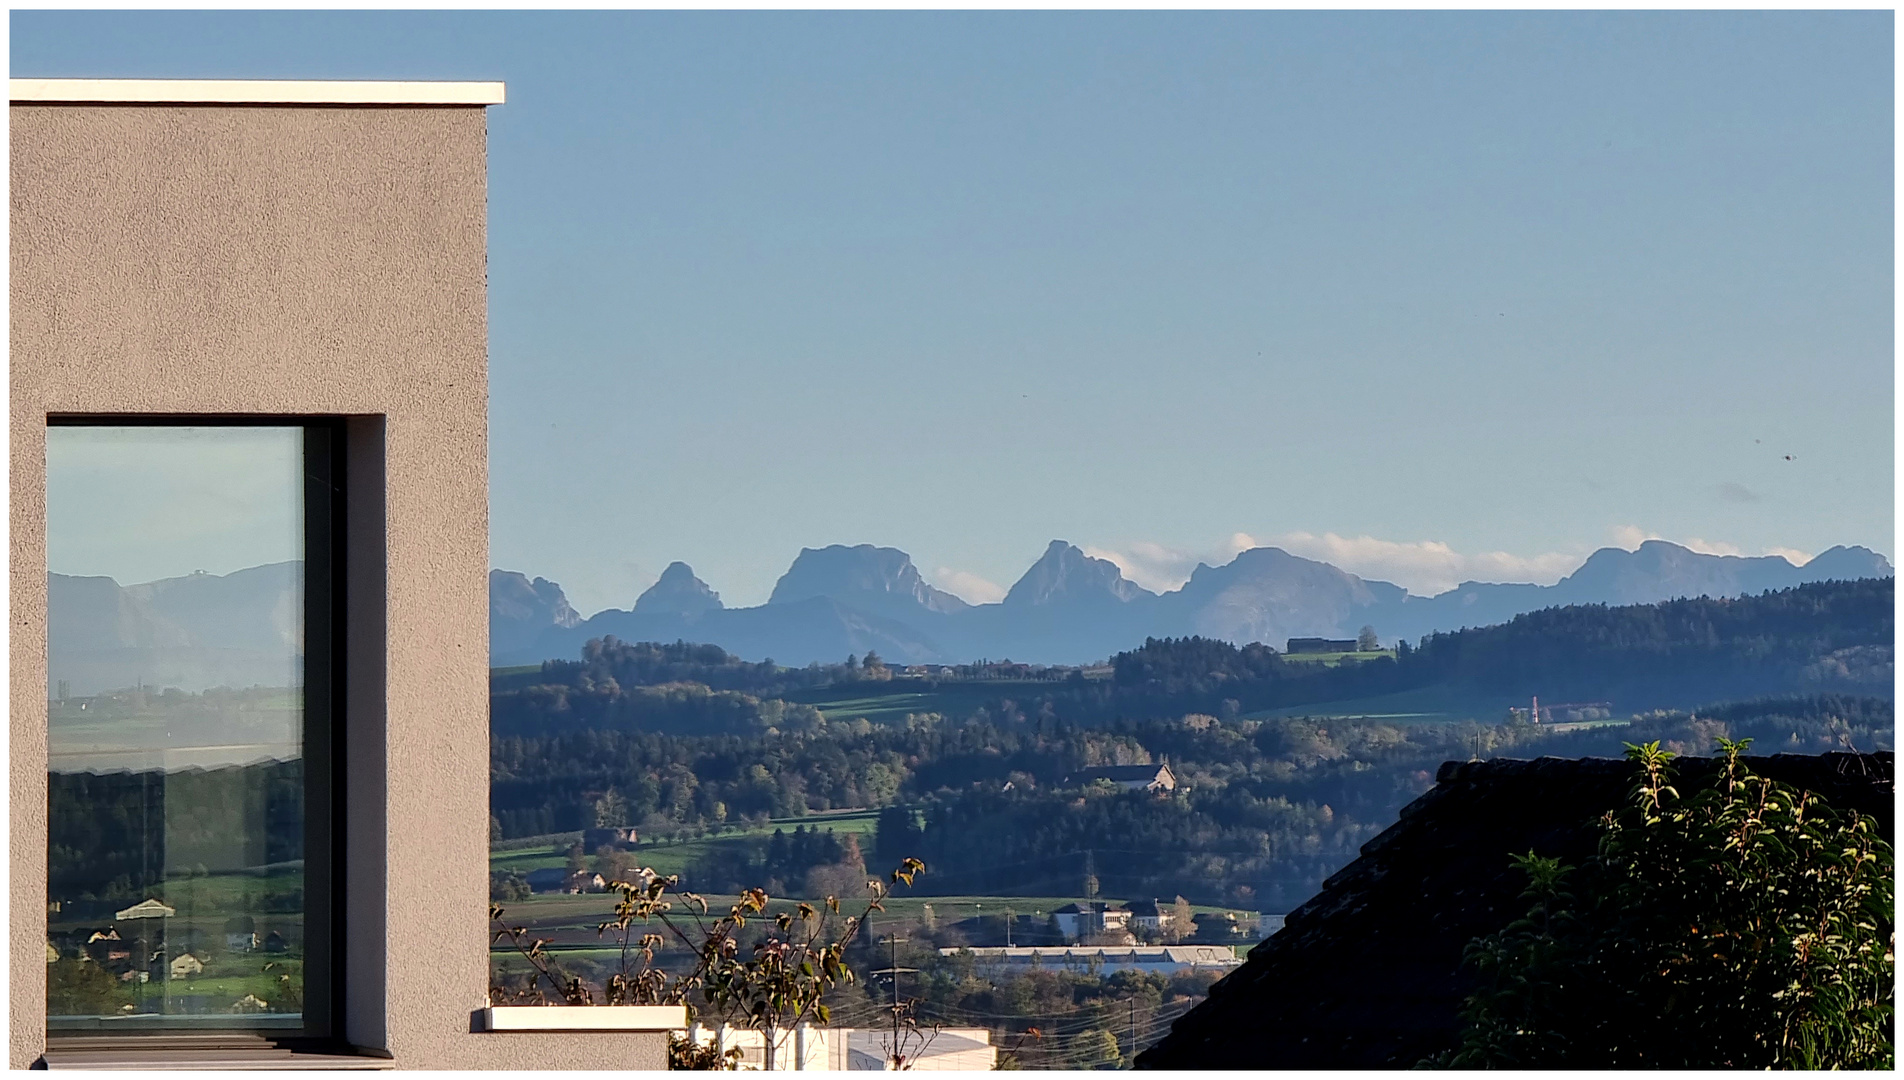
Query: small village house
x=241 y=933
x=582 y=881
x=1150 y=916
x=1156 y=777
x=1075 y=922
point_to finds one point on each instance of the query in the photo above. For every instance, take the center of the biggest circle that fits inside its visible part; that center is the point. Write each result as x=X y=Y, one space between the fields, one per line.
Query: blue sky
x=137 y=504
x=1434 y=296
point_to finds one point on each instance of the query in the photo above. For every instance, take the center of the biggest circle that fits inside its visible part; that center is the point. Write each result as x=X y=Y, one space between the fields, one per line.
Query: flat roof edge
x=252 y=92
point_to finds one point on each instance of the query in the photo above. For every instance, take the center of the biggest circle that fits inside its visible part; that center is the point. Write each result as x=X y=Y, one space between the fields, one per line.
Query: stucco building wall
x=274 y=259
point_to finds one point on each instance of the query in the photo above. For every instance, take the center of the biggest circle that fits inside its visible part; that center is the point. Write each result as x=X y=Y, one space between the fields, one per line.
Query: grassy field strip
x=950 y=699
x=1334 y=659
x=545 y=852
x=1429 y=705
x=550 y=913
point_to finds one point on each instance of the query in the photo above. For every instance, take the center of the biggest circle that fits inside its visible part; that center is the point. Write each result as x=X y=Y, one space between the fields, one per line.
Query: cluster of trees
x=562 y=782
x=679 y=708
x=1265 y=808
x=804 y=862
x=113 y=835
x=1828 y=636
x=610 y=660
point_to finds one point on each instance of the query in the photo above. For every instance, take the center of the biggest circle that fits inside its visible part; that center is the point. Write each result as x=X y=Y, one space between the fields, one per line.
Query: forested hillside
x=1832 y=637
x=1264 y=811
x=679 y=738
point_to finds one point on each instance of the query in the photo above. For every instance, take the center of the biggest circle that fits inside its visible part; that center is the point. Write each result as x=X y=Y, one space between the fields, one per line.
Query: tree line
x=1817 y=638
x=1833 y=636
x=1264 y=809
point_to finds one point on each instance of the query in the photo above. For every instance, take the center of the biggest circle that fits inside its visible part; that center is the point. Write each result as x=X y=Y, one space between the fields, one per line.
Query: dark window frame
x=323 y=747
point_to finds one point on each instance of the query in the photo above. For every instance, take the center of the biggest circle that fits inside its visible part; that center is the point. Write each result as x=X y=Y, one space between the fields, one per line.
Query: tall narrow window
x=190 y=736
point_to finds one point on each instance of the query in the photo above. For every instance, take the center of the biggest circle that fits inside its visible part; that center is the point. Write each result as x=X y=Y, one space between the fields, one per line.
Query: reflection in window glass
x=175 y=863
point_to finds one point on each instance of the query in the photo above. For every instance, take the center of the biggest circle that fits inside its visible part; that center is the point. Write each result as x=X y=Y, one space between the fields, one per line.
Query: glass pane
x=175 y=727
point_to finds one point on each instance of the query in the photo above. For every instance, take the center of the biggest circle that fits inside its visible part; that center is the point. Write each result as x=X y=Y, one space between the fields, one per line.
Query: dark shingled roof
x=1367 y=974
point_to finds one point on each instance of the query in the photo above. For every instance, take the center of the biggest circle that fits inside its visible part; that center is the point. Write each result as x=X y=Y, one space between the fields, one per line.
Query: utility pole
x=1133 y=1028
x=892 y=971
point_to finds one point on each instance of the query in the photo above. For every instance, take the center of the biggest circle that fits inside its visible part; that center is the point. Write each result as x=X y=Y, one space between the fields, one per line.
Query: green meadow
x=902 y=696
x=673 y=856
x=1336 y=659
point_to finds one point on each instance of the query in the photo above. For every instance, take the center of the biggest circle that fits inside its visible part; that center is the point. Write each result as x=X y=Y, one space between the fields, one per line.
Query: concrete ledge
x=253 y=92
x=133 y=1058
x=586 y=1018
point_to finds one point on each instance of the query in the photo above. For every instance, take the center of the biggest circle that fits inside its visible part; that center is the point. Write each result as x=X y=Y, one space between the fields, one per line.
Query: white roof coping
x=585 y=1018
x=253 y=92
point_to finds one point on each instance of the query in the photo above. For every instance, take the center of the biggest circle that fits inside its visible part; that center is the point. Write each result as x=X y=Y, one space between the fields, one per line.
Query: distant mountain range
x=1070 y=608
x=245 y=628
x=241 y=629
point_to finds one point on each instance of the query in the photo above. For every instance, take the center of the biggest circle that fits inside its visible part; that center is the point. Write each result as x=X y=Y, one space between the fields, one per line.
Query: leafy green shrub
x=1747 y=925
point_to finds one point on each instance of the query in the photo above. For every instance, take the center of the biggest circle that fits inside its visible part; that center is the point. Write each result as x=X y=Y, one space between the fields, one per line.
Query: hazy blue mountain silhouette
x=877 y=580
x=520 y=610
x=1065 y=577
x=1658 y=571
x=677 y=592
x=1067 y=608
x=818 y=628
x=238 y=629
x=1268 y=595
x=245 y=628
x=1071 y=608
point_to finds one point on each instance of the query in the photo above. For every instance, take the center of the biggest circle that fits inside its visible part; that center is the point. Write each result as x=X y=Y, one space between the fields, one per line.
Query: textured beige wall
x=293 y=260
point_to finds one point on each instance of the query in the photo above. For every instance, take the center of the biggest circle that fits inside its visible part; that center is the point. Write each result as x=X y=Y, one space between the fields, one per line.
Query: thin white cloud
x=1792 y=555
x=1427 y=567
x=1160 y=568
x=967 y=586
x=1631 y=537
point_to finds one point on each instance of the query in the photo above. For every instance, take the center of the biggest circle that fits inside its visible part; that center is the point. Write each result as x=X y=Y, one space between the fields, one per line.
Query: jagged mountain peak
x=1070 y=607
x=515 y=597
x=882 y=580
x=678 y=592
x=1064 y=574
x=1265 y=559
x=1267 y=594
